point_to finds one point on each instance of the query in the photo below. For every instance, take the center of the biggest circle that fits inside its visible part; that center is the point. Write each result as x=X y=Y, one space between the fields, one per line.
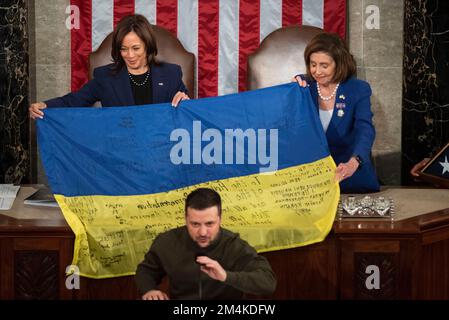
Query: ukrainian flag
x=120 y=175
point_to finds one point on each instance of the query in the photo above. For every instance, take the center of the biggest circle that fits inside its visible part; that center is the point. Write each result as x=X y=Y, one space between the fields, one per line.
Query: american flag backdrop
x=220 y=34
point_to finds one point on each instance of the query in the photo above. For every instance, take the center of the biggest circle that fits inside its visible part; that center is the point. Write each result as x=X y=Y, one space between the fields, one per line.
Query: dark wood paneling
x=355 y=253
x=388 y=264
x=434 y=280
x=306 y=272
x=412 y=255
x=118 y=288
x=7 y=268
x=36 y=275
x=33 y=267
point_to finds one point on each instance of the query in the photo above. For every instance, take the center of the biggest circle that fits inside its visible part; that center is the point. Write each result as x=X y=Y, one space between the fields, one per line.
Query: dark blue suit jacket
x=115 y=89
x=352 y=133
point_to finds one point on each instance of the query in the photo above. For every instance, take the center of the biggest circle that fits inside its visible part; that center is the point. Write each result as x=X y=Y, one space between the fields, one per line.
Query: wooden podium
x=411 y=253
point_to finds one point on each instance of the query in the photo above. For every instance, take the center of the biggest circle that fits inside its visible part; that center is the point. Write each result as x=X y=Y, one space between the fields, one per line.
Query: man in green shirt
x=203 y=260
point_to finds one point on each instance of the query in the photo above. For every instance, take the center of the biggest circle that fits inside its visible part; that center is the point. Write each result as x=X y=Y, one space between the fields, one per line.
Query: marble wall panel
x=49 y=62
x=355 y=30
x=383 y=46
x=425 y=121
x=378 y=53
x=14 y=138
x=387 y=117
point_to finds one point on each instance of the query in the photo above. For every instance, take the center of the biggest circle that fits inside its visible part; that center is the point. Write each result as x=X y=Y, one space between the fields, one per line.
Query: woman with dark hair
x=344 y=108
x=134 y=77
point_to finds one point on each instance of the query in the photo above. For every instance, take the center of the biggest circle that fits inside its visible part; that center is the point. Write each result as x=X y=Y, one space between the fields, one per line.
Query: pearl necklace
x=331 y=96
x=139 y=84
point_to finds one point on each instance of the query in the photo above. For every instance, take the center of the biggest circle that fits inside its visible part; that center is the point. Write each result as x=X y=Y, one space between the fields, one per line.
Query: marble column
x=425 y=114
x=14 y=138
x=378 y=53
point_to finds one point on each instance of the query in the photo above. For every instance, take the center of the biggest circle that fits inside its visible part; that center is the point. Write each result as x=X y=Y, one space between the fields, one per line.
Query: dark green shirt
x=173 y=254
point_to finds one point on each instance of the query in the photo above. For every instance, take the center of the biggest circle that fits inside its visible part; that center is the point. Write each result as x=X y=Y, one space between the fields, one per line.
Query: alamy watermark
x=73 y=20
x=190 y=150
x=373 y=19
x=73 y=277
x=373 y=280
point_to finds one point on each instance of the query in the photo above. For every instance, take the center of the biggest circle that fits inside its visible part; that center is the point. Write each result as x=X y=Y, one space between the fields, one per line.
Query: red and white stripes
x=221 y=34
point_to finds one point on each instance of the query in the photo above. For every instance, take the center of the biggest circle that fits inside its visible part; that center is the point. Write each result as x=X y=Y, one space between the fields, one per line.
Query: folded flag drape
x=121 y=174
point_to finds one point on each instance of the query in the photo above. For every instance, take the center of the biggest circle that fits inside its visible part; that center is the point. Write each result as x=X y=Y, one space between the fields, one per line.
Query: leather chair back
x=279 y=57
x=169 y=48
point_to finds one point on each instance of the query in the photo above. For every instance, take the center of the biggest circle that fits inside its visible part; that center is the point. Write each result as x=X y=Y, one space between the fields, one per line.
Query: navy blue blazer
x=115 y=89
x=351 y=132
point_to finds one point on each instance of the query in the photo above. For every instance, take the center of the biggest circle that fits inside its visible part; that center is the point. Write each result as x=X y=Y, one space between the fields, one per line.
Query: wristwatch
x=359 y=160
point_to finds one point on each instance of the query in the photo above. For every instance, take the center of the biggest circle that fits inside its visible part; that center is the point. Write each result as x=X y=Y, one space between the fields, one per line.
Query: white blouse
x=325 y=117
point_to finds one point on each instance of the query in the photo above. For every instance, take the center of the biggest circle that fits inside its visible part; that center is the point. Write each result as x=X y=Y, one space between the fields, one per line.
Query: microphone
x=200 y=253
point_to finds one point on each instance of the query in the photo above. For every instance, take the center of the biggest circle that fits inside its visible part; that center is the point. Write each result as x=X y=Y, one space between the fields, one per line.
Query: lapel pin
x=340 y=106
x=161 y=83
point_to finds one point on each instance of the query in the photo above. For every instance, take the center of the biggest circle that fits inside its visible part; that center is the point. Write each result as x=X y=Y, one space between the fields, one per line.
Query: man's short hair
x=203 y=198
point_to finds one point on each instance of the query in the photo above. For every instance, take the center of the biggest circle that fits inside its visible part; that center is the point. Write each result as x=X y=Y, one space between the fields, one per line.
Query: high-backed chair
x=279 y=57
x=169 y=48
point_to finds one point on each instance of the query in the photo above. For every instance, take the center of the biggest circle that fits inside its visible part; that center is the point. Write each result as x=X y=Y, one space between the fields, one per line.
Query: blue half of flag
x=136 y=150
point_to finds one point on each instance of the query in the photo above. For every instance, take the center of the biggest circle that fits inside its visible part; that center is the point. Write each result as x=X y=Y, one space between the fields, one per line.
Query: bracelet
x=359 y=160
